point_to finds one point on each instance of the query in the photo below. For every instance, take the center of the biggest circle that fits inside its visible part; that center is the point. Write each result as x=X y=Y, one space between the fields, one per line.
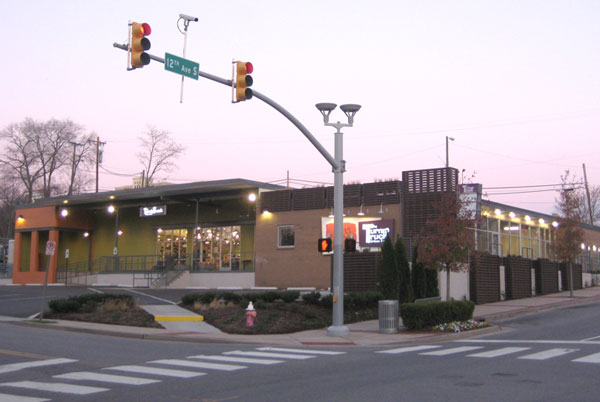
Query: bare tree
x=159 y=152
x=567 y=244
x=37 y=153
x=582 y=204
x=83 y=156
x=12 y=194
x=446 y=240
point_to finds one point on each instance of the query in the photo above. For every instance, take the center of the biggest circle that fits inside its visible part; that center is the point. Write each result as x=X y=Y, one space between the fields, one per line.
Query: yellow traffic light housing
x=242 y=81
x=138 y=44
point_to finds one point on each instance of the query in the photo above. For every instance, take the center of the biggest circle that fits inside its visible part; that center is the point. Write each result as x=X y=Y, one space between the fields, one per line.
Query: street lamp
x=338 y=328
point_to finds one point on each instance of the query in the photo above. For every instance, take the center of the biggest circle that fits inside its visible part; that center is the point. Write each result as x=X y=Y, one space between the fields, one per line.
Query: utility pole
x=447 y=153
x=587 y=193
x=98 y=144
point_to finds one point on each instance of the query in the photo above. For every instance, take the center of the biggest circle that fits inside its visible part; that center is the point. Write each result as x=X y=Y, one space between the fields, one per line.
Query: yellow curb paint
x=178 y=318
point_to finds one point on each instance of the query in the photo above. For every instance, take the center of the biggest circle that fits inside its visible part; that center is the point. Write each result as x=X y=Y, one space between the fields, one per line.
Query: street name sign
x=181 y=66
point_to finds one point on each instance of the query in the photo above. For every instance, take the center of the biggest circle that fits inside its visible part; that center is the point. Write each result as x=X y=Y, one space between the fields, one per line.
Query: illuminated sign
x=373 y=233
x=153 y=210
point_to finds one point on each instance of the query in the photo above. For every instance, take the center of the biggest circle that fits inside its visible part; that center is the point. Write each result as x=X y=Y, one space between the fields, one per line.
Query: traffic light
x=138 y=44
x=350 y=245
x=324 y=245
x=243 y=81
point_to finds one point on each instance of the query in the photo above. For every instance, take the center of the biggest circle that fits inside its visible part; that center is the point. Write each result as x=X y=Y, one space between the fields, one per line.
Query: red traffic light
x=146 y=30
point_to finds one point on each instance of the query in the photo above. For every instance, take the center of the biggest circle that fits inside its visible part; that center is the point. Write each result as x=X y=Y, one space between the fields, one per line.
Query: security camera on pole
x=338 y=328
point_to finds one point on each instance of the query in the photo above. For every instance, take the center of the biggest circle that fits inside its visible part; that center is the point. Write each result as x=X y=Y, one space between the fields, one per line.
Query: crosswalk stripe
x=595 y=358
x=548 y=354
x=117 y=379
x=267 y=354
x=445 y=352
x=410 y=349
x=202 y=365
x=156 y=371
x=498 y=352
x=236 y=359
x=311 y=352
x=7 y=368
x=55 y=387
x=17 y=398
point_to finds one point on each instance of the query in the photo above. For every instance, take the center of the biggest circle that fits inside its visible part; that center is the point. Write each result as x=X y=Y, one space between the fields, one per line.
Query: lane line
x=267 y=354
x=55 y=387
x=153 y=297
x=304 y=351
x=201 y=365
x=156 y=371
x=236 y=359
x=451 y=351
x=7 y=368
x=96 y=290
x=23 y=354
x=589 y=339
x=410 y=349
x=595 y=358
x=117 y=379
x=548 y=354
x=17 y=398
x=558 y=342
x=498 y=352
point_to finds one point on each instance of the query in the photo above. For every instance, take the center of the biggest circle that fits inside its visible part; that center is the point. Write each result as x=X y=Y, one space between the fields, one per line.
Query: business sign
x=470 y=198
x=153 y=210
x=373 y=233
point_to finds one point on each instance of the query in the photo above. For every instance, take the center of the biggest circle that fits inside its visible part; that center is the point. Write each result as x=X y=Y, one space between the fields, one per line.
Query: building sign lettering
x=373 y=233
x=153 y=210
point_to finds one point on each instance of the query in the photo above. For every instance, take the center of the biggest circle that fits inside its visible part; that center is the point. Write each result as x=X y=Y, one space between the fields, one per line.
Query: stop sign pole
x=50 y=250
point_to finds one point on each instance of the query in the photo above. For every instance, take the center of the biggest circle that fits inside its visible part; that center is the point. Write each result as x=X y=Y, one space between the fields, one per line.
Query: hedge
x=86 y=303
x=424 y=315
x=243 y=298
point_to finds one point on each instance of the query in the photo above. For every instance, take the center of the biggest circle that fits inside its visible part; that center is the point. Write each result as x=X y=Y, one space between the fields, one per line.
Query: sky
x=515 y=83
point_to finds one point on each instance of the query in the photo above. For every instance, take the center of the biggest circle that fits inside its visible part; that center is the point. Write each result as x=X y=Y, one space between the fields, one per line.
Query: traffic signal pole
x=338 y=167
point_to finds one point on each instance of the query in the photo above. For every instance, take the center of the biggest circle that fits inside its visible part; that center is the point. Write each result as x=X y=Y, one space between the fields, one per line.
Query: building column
x=17 y=252
x=34 y=259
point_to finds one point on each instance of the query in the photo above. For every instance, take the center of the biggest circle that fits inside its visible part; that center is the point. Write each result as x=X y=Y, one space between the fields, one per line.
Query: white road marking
x=267 y=354
x=96 y=290
x=451 y=351
x=7 y=368
x=153 y=297
x=236 y=359
x=156 y=371
x=17 y=398
x=117 y=379
x=595 y=358
x=589 y=339
x=410 y=349
x=305 y=351
x=498 y=352
x=548 y=354
x=202 y=365
x=558 y=342
x=55 y=387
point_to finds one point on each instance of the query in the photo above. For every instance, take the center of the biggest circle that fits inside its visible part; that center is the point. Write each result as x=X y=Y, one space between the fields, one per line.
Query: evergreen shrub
x=424 y=315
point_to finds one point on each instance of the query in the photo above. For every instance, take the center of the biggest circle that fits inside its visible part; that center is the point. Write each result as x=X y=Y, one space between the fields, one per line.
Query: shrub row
x=352 y=301
x=86 y=303
x=239 y=298
x=424 y=315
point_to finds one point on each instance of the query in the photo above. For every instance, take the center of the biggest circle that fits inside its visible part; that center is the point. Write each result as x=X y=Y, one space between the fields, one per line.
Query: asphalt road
x=549 y=356
x=25 y=301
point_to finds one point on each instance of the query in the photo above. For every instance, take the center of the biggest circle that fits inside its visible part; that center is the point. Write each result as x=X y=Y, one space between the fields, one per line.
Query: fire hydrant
x=250 y=315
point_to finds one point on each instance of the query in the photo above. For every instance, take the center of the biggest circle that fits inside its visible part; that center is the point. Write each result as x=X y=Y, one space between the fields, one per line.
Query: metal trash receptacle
x=388 y=316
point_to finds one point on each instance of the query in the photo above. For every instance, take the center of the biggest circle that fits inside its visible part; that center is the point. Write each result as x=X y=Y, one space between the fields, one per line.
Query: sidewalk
x=182 y=325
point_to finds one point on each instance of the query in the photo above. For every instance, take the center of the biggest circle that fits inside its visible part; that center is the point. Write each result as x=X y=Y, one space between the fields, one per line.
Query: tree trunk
x=570 y=279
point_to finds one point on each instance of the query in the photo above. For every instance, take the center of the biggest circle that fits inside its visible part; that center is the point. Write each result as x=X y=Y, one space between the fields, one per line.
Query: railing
x=5 y=270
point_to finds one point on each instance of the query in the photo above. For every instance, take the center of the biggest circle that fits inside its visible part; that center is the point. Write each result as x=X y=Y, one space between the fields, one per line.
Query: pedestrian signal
x=324 y=245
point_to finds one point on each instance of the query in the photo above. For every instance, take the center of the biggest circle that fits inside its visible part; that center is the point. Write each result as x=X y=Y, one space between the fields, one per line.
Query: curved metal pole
x=269 y=102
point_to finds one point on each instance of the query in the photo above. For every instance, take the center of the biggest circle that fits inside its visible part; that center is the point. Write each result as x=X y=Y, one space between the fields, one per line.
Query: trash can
x=388 y=316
